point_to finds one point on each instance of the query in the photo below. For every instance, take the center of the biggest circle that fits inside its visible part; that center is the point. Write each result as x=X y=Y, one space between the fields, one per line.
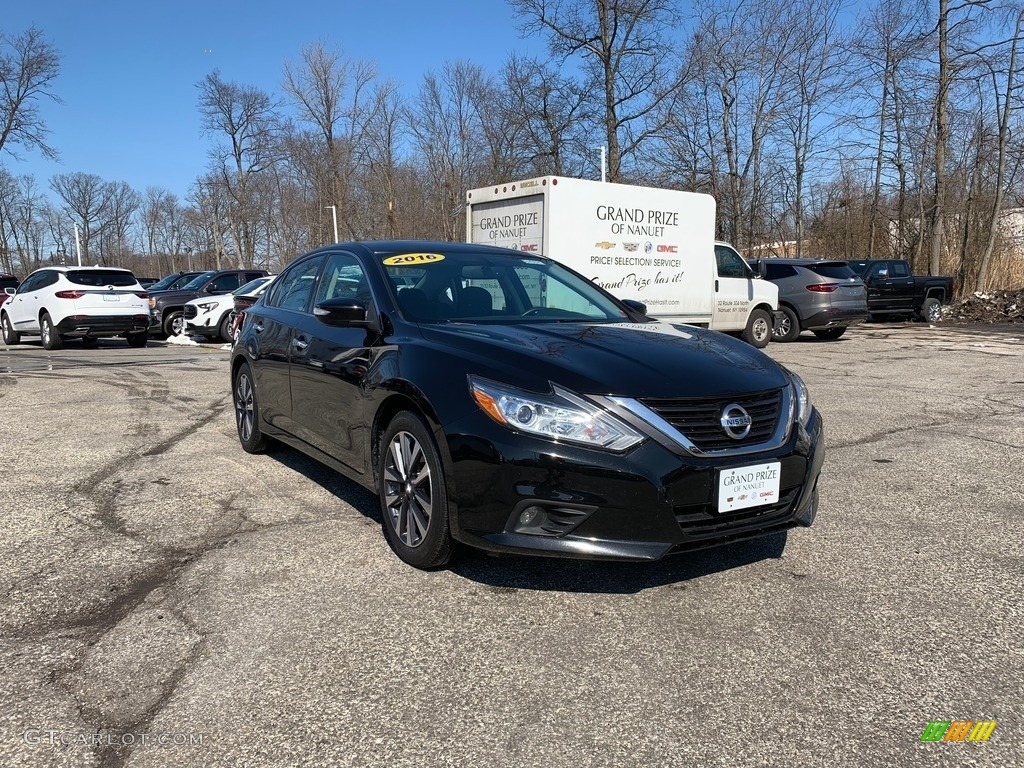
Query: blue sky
x=128 y=69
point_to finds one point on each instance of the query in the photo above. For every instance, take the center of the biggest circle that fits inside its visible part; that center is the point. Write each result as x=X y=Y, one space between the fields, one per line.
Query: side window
x=225 y=283
x=729 y=262
x=900 y=269
x=778 y=271
x=343 y=279
x=250 y=276
x=31 y=284
x=294 y=288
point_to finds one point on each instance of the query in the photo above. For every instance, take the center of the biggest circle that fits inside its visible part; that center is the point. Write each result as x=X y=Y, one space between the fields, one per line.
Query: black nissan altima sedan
x=498 y=399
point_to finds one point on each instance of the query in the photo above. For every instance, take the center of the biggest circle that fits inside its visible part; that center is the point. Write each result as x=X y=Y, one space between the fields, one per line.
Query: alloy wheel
x=782 y=326
x=408 y=491
x=244 y=411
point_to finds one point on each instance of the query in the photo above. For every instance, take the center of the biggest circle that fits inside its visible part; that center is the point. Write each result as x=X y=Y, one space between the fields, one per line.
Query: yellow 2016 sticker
x=407 y=259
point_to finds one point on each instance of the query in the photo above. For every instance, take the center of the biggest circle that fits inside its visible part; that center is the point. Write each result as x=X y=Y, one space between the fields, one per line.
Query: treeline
x=895 y=132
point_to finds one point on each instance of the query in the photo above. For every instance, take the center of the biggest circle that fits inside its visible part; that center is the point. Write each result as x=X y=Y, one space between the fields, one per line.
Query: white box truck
x=656 y=246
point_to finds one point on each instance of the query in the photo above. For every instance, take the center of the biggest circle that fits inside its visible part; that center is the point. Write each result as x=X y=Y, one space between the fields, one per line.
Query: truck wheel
x=931 y=311
x=787 y=326
x=174 y=323
x=829 y=334
x=759 y=329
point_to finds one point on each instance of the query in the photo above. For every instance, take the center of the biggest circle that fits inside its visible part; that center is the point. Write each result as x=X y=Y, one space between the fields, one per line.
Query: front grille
x=699 y=419
x=191 y=310
x=702 y=523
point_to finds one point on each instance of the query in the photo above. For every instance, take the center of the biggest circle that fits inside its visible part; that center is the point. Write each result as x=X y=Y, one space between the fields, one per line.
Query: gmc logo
x=667 y=249
x=528 y=248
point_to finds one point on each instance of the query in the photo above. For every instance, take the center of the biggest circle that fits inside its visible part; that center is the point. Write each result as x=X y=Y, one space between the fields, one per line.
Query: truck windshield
x=481 y=287
x=197 y=282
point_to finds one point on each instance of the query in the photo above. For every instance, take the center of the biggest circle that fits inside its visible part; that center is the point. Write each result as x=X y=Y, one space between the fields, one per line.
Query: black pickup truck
x=894 y=291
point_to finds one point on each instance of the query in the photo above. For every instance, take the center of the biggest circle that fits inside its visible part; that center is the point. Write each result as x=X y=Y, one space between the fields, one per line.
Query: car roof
x=381 y=247
x=64 y=270
x=801 y=262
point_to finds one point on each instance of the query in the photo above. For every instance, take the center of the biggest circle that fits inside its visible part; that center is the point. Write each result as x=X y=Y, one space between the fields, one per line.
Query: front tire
x=247 y=411
x=174 y=323
x=11 y=337
x=830 y=334
x=413 y=495
x=50 y=335
x=225 y=328
x=931 y=311
x=759 y=329
x=788 y=326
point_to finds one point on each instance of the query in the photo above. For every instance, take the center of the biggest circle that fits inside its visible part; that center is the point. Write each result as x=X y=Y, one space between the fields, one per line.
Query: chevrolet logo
x=604 y=244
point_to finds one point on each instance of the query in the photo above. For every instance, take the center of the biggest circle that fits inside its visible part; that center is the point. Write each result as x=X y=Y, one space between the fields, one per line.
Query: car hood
x=175 y=297
x=625 y=359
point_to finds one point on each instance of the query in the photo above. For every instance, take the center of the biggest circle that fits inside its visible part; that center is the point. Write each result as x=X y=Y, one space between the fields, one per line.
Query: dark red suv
x=6 y=281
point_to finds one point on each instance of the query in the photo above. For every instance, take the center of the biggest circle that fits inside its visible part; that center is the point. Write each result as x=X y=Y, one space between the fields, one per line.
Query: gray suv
x=818 y=295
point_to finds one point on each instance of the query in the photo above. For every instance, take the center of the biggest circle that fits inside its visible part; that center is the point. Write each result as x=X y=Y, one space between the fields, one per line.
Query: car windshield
x=251 y=287
x=481 y=287
x=101 y=277
x=836 y=270
x=197 y=282
x=165 y=283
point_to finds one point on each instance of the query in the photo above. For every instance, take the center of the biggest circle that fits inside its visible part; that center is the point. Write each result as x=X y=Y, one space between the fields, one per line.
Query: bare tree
x=333 y=94
x=28 y=66
x=86 y=199
x=385 y=131
x=623 y=48
x=122 y=204
x=246 y=116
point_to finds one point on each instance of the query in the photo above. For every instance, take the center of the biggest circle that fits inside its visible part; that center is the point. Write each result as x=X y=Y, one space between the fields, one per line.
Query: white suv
x=211 y=316
x=58 y=303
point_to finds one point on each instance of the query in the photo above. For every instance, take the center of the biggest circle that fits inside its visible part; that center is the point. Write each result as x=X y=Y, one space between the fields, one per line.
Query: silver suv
x=818 y=295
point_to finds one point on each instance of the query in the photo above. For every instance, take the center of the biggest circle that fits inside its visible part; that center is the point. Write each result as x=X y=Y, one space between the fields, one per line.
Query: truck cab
x=744 y=302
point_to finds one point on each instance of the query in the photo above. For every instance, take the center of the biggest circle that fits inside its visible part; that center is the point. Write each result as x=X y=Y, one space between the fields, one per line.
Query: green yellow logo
x=958 y=730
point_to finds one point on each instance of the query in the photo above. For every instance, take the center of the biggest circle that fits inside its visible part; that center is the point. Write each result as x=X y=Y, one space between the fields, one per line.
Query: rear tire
x=830 y=334
x=788 y=327
x=413 y=495
x=759 y=329
x=137 y=339
x=48 y=331
x=247 y=411
x=11 y=337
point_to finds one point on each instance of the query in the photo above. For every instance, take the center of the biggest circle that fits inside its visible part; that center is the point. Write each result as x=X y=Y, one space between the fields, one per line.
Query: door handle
x=299 y=344
x=258 y=327
x=716 y=286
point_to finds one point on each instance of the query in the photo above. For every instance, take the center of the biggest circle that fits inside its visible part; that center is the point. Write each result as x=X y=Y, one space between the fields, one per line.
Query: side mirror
x=341 y=312
x=636 y=306
x=10 y=291
x=760 y=270
x=882 y=274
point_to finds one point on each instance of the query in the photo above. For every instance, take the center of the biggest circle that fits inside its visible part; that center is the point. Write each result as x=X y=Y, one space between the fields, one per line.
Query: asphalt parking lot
x=162 y=586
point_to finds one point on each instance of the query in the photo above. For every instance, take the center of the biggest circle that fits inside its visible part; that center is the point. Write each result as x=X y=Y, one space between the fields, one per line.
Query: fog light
x=530 y=517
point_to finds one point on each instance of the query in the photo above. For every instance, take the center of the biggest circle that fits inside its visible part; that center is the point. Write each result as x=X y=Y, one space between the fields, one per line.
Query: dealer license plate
x=753 y=486
x=111 y=297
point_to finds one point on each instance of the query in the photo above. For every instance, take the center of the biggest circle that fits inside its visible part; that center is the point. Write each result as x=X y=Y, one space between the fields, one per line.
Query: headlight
x=207 y=306
x=559 y=416
x=800 y=398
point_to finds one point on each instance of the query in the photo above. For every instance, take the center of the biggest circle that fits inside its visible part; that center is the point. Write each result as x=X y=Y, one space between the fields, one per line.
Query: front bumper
x=102 y=325
x=641 y=505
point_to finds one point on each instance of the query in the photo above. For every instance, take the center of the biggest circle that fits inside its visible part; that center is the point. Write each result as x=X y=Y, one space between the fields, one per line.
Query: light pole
x=62 y=254
x=604 y=161
x=334 y=215
x=188 y=253
x=78 y=245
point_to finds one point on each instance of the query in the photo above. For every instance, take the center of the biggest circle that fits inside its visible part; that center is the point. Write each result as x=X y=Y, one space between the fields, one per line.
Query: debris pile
x=987 y=307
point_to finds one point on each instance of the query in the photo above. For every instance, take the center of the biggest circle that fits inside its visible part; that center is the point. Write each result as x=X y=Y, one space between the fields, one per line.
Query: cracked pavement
x=158 y=581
